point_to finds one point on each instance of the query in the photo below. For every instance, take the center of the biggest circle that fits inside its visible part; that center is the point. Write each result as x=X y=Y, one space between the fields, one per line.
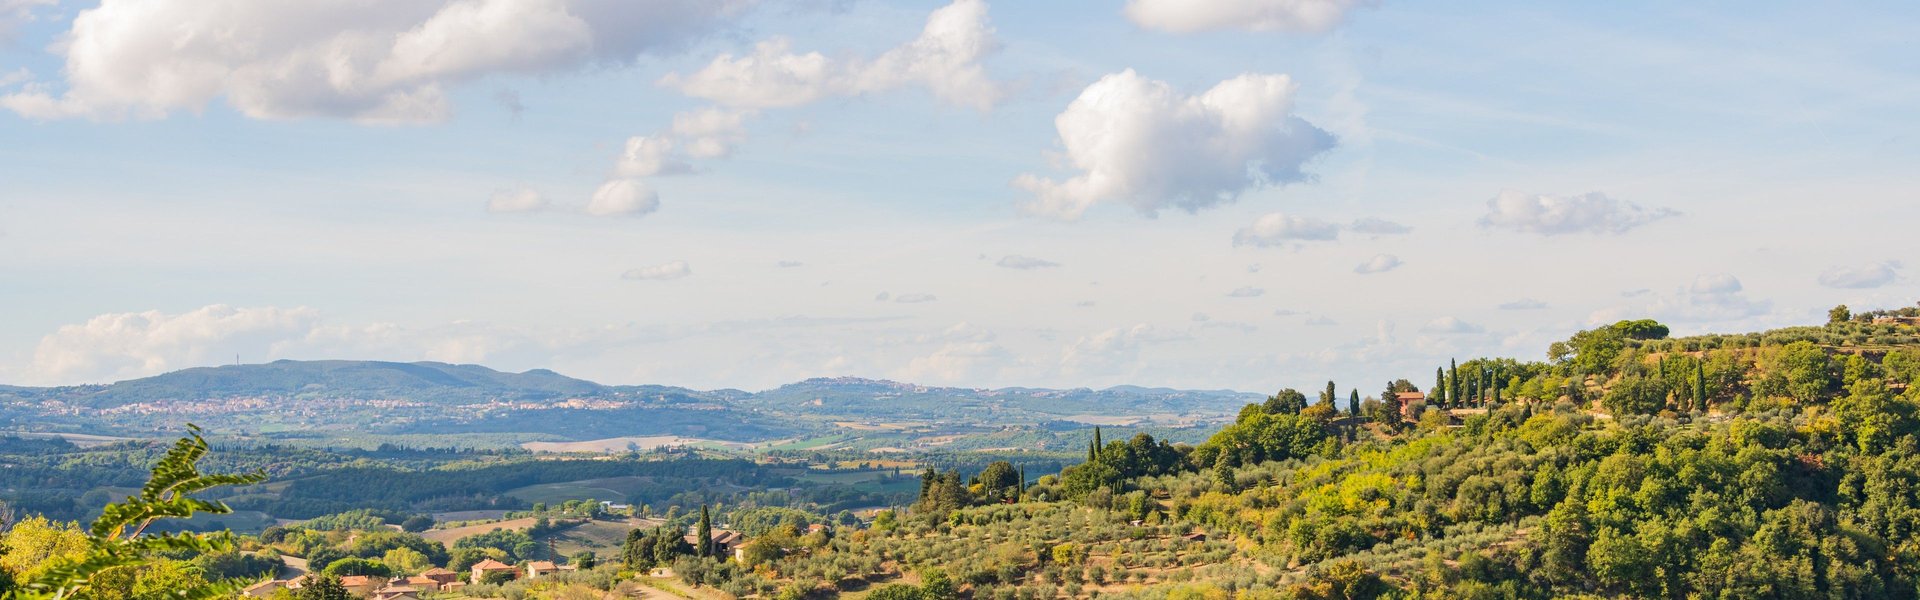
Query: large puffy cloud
x=1190 y=16
x=945 y=59
x=1143 y=143
x=126 y=345
x=368 y=60
x=1872 y=276
x=1543 y=214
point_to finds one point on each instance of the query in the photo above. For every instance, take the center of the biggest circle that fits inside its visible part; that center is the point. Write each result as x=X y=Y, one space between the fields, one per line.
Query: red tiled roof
x=492 y=565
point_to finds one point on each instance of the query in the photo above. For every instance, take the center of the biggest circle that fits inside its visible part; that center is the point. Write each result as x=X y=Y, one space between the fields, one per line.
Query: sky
x=1225 y=194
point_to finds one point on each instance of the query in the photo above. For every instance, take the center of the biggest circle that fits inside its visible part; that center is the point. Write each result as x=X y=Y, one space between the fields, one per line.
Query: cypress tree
x=1439 y=386
x=1699 y=386
x=1353 y=403
x=1096 y=442
x=704 y=545
x=1453 y=383
x=1327 y=398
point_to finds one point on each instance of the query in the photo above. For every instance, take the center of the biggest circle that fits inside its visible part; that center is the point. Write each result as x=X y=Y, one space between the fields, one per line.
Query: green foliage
x=1260 y=435
x=1636 y=395
x=416 y=524
x=323 y=587
x=117 y=540
x=352 y=520
x=358 y=566
x=517 y=545
x=1288 y=401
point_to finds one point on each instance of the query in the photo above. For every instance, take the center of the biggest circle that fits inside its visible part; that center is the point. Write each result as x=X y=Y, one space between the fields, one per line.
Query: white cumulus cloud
x=1871 y=276
x=127 y=345
x=944 y=59
x=914 y=298
x=1380 y=263
x=1543 y=214
x=367 y=60
x=1246 y=292
x=1190 y=16
x=623 y=197
x=1140 y=142
x=660 y=272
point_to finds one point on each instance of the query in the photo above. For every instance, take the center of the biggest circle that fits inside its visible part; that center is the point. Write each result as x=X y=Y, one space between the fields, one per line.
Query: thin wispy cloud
x=1025 y=263
x=660 y=272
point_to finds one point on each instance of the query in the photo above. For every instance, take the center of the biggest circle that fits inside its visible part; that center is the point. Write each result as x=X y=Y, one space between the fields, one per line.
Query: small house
x=1406 y=400
x=490 y=566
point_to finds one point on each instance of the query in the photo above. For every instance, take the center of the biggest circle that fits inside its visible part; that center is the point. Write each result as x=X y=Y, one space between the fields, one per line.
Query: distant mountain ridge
x=379 y=397
x=438 y=382
x=337 y=378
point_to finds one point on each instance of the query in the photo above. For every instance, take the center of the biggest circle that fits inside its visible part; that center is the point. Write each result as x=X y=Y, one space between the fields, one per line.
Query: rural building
x=483 y=568
x=1406 y=400
x=725 y=542
x=360 y=585
x=396 y=592
x=546 y=567
x=440 y=576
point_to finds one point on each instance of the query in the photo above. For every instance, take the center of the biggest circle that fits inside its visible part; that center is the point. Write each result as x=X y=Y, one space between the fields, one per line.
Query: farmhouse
x=360 y=585
x=489 y=566
x=396 y=592
x=1406 y=400
x=725 y=542
x=538 y=568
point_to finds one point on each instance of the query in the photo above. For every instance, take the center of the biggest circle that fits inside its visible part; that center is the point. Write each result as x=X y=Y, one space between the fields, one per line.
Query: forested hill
x=449 y=384
x=424 y=381
x=854 y=397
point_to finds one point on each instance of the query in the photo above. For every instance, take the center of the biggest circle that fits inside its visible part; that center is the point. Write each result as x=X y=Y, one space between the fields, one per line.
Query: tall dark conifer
x=1453 y=383
x=1353 y=403
x=1699 y=386
x=704 y=544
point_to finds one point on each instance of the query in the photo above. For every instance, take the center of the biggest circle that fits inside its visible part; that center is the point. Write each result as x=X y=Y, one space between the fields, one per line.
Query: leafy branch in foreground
x=115 y=540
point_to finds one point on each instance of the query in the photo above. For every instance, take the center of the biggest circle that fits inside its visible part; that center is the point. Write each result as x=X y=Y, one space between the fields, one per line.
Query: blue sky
x=971 y=193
